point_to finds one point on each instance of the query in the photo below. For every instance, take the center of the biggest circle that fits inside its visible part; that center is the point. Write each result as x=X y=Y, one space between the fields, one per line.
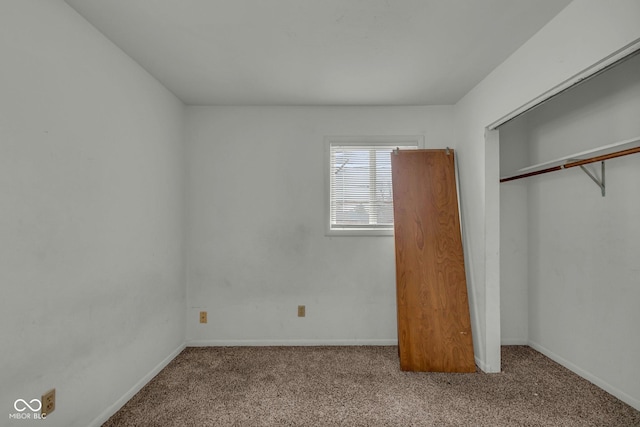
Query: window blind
x=360 y=186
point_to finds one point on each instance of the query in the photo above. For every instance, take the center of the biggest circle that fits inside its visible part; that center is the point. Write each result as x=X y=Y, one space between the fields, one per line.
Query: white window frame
x=405 y=141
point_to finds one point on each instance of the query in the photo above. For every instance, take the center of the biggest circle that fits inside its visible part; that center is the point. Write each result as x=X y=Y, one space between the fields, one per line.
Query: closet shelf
x=600 y=154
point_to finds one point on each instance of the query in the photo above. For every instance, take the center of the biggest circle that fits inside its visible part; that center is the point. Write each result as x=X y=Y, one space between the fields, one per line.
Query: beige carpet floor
x=363 y=386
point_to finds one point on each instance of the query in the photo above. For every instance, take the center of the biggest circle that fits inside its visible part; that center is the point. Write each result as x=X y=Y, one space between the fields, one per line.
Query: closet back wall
x=256 y=243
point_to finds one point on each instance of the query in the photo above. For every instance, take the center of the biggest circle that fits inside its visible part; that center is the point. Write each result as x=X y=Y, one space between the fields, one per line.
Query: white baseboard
x=629 y=400
x=271 y=343
x=111 y=410
x=486 y=368
x=483 y=366
x=513 y=341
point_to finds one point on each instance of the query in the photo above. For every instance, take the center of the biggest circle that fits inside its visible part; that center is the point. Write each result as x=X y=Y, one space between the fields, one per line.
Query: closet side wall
x=584 y=249
x=514 y=256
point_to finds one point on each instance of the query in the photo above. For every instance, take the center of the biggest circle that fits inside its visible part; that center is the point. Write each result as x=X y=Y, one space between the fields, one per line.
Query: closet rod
x=575 y=163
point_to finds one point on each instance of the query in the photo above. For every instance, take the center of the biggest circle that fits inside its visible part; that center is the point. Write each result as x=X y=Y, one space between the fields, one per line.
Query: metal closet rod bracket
x=599 y=182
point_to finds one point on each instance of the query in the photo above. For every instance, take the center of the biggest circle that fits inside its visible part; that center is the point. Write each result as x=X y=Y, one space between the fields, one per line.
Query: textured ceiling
x=319 y=52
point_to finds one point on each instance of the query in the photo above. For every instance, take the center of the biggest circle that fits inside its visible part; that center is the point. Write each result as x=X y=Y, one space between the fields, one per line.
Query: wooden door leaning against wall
x=434 y=328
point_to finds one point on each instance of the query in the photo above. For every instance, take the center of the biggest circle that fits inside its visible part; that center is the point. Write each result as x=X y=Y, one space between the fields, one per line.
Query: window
x=360 y=200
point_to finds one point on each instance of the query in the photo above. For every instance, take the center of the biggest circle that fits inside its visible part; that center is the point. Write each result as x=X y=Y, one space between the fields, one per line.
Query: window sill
x=358 y=233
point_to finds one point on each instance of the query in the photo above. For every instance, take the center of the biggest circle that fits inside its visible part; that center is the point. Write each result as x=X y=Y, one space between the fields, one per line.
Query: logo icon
x=23 y=407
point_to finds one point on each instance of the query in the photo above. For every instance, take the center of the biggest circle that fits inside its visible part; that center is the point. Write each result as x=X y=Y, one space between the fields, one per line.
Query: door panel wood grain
x=434 y=328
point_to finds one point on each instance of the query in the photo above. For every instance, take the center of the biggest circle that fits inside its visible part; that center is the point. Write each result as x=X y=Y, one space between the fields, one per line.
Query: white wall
x=584 y=274
x=256 y=243
x=91 y=176
x=582 y=34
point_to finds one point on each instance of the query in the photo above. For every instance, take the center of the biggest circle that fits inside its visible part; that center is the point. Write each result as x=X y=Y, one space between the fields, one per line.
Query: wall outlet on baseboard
x=301 y=311
x=203 y=317
x=48 y=402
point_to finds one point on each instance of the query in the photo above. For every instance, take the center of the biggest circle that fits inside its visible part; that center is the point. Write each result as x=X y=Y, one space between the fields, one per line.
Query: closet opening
x=569 y=278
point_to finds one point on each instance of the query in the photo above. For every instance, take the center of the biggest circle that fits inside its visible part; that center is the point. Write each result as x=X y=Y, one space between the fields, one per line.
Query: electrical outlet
x=48 y=402
x=301 y=311
x=203 y=317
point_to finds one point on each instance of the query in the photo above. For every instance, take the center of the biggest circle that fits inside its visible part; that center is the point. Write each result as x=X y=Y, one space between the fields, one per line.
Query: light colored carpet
x=363 y=386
